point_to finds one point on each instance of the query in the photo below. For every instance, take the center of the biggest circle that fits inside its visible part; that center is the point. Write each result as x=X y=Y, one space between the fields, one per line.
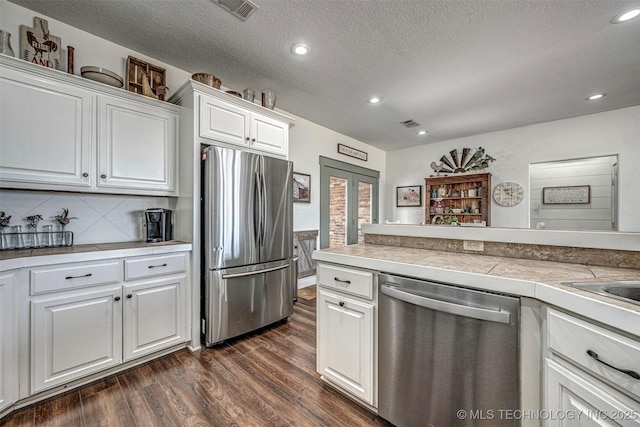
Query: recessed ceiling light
x=375 y=100
x=422 y=132
x=300 y=49
x=625 y=16
x=596 y=96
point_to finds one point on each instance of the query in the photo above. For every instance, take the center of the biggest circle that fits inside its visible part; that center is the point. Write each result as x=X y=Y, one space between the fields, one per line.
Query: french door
x=348 y=199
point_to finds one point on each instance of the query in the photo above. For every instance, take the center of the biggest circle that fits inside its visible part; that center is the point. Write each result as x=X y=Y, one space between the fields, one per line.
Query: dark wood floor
x=265 y=379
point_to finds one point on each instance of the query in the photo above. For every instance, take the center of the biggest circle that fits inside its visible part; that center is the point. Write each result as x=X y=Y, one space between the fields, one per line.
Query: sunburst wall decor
x=453 y=162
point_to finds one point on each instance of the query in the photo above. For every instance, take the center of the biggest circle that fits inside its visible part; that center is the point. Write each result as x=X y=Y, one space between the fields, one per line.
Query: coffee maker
x=159 y=225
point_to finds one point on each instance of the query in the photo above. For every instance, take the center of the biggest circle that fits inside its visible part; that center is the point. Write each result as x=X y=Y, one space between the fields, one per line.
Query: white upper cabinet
x=269 y=135
x=222 y=121
x=136 y=147
x=45 y=132
x=220 y=118
x=63 y=132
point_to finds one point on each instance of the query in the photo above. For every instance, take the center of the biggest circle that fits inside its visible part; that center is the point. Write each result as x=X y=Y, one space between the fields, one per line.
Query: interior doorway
x=348 y=199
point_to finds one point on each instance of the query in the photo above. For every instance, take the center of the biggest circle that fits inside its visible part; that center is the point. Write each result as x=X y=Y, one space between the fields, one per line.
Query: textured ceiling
x=457 y=67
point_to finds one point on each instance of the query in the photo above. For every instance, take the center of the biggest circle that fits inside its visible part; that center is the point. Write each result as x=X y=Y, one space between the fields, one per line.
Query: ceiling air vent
x=409 y=124
x=242 y=9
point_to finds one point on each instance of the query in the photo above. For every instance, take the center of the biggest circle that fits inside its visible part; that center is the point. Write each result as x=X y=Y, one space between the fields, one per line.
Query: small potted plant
x=33 y=221
x=4 y=222
x=63 y=219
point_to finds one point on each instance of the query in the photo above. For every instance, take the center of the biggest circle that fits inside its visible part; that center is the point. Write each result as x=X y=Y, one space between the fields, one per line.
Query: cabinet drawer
x=154 y=266
x=572 y=338
x=71 y=276
x=356 y=282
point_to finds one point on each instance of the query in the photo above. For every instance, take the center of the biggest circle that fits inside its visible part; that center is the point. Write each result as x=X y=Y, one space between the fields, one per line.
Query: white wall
x=307 y=142
x=609 y=133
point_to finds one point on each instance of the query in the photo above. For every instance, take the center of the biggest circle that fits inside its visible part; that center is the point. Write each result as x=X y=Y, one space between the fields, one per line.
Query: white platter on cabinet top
x=101 y=75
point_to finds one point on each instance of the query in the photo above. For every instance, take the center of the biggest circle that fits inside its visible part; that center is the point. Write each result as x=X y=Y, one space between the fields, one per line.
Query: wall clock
x=508 y=193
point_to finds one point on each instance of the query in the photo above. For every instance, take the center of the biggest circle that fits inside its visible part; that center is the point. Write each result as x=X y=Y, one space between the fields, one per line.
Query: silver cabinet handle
x=498 y=316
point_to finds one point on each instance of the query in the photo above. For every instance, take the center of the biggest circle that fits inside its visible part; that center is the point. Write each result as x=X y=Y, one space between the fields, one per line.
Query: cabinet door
x=8 y=346
x=269 y=135
x=579 y=401
x=74 y=335
x=345 y=343
x=45 y=133
x=136 y=147
x=224 y=122
x=154 y=316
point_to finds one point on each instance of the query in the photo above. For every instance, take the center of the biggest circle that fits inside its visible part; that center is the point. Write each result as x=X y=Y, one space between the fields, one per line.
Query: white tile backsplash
x=101 y=218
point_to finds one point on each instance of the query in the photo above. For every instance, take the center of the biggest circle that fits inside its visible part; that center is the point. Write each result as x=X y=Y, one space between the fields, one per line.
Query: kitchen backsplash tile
x=101 y=218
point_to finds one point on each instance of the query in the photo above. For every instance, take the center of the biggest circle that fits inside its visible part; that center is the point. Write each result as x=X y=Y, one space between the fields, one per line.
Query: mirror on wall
x=576 y=194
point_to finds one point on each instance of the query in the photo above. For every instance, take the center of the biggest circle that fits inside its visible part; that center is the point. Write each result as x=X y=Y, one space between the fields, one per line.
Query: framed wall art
x=409 y=196
x=301 y=188
x=574 y=194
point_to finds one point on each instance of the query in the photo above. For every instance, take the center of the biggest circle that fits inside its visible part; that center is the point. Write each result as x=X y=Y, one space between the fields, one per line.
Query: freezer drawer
x=240 y=300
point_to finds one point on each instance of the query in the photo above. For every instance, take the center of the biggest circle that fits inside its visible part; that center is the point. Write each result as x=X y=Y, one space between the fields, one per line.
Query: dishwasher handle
x=498 y=316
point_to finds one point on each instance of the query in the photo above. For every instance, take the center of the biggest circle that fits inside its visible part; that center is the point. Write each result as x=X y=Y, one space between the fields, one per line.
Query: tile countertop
x=541 y=280
x=13 y=259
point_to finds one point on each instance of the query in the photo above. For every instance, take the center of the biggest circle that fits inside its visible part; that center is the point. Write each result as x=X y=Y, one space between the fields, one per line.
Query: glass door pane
x=348 y=199
x=365 y=194
x=338 y=211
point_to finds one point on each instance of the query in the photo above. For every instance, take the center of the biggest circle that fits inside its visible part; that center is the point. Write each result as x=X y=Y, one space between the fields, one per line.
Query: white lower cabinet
x=8 y=344
x=589 y=374
x=75 y=334
x=92 y=316
x=346 y=334
x=576 y=400
x=154 y=316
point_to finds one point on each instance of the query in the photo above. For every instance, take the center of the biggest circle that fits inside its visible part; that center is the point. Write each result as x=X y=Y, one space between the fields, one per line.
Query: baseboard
x=306 y=281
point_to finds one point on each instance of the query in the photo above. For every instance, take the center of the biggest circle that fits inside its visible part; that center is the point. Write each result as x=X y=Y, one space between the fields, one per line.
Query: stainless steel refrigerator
x=247 y=242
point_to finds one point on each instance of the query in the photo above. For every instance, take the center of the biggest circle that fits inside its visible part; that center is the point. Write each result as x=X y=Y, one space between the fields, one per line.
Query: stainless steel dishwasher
x=448 y=355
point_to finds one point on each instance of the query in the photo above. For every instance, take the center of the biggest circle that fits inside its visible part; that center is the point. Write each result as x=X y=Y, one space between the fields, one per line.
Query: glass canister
x=268 y=99
x=48 y=236
x=5 y=43
x=249 y=95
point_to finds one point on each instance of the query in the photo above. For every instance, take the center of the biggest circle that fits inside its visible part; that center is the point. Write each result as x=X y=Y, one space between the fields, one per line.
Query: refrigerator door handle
x=263 y=215
x=254 y=273
x=257 y=213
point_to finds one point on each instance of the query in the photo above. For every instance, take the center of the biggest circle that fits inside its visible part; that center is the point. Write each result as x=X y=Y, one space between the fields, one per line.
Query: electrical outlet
x=473 y=245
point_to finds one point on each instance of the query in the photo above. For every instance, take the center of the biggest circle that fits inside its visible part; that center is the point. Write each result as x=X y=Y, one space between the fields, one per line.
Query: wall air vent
x=241 y=9
x=409 y=124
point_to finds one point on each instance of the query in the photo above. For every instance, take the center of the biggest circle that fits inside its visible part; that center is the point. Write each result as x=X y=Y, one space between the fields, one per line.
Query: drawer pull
x=632 y=374
x=161 y=265
x=117 y=298
x=341 y=303
x=78 y=277
x=347 y=282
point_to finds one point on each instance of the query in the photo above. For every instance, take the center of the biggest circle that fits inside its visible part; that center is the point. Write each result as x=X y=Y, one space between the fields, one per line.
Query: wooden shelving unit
x=457 y=192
